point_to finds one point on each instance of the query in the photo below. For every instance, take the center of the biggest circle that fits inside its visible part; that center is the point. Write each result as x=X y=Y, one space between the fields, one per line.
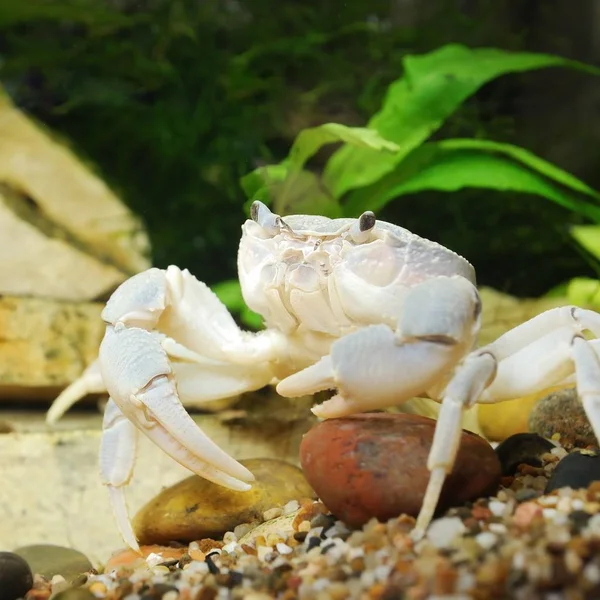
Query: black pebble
x=16 y=577
x=576 y=470
x=579 y=519
x=313 y=542
x=212 y=568
x=522 y=448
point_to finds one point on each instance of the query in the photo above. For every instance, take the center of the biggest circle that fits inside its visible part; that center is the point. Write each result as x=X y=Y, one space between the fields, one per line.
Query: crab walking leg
x=587 y=372
x=118 y=448
x=535 y=365
x=90 y=382
x=140 y=380
x=470 y=380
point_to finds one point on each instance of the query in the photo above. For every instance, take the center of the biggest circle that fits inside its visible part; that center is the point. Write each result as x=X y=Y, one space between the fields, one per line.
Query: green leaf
x=289 y=191
x=589 y=237
x=434 y=85
x=438 y=166
x=583 y=291
x=309 y=141
x=254 y=182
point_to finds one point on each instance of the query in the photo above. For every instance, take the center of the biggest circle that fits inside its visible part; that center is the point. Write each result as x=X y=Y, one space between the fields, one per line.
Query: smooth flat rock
x=195 y=508
x=374 y=465
x=53 y=206
x=50 y=560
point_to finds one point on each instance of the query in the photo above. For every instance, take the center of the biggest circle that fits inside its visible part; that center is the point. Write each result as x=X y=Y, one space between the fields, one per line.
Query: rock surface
x=45 y=344
x=374 y=465
x=50 y=560
x=16 y=577
x=522 y=448
x=561 y=413
x=196 y=508
x=64 y=233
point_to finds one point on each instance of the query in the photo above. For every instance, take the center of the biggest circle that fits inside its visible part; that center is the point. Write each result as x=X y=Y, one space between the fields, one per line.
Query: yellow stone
x=503 y=419
x=195 y=508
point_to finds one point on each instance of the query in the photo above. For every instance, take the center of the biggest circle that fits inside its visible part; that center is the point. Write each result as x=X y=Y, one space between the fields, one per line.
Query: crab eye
x=367 y=221
x=268 y=220
x=362 y=227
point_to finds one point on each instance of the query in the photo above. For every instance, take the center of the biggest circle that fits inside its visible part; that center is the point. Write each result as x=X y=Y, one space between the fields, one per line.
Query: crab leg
x=90 y=382
x=534 y=356
x=117 y=458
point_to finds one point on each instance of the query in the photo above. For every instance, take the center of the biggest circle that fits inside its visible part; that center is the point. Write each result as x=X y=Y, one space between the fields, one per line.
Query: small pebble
x=561 y=415
x=442 y=532
x=576 y=470
x=522 y=448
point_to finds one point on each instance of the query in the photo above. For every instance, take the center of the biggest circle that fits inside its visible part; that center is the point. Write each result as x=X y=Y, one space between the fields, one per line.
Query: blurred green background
x=174 y=101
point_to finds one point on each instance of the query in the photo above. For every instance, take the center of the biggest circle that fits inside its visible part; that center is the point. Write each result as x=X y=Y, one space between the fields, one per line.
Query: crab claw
x=139 y=378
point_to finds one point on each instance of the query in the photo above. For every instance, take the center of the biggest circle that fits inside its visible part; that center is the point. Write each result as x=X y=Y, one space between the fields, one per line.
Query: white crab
x=356 y=305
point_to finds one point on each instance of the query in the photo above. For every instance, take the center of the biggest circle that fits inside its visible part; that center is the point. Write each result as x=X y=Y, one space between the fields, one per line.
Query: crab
x=358 y=306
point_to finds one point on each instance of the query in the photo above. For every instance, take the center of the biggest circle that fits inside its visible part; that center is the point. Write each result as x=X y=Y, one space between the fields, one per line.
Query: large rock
x=45 y=344
x=195 y=508
x=375 y=465
x=64 y=233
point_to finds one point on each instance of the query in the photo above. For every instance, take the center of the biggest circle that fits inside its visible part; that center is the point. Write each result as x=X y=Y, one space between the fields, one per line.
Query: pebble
x=522 y=448
x=501 y=420
x=75 y=594
x=50 y=560
x=16 y=578
x=560 y=414
x=576 y=470
x=375 y=465
x=442 y=532
x=128 y=557
x=196 y=508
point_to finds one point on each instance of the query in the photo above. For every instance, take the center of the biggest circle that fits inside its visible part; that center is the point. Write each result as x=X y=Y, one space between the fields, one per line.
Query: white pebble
x=497 y=508
x=442 y=532
x=577 y=504
x=486 y=539
x=154 y=559
x=499 y=528
x=593 y=525
x=518 y=561
x=549 y=513
x=592 y=573
x=548 y=500
x=229 y=537
x=284 y=548
x=231 y=547
x=290 y=507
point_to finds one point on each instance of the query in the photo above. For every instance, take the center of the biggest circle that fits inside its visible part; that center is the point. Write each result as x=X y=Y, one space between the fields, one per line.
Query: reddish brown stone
x=375 y=465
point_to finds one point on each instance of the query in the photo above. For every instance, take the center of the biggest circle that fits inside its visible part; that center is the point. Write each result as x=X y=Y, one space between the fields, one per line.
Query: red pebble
x=375 y=465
